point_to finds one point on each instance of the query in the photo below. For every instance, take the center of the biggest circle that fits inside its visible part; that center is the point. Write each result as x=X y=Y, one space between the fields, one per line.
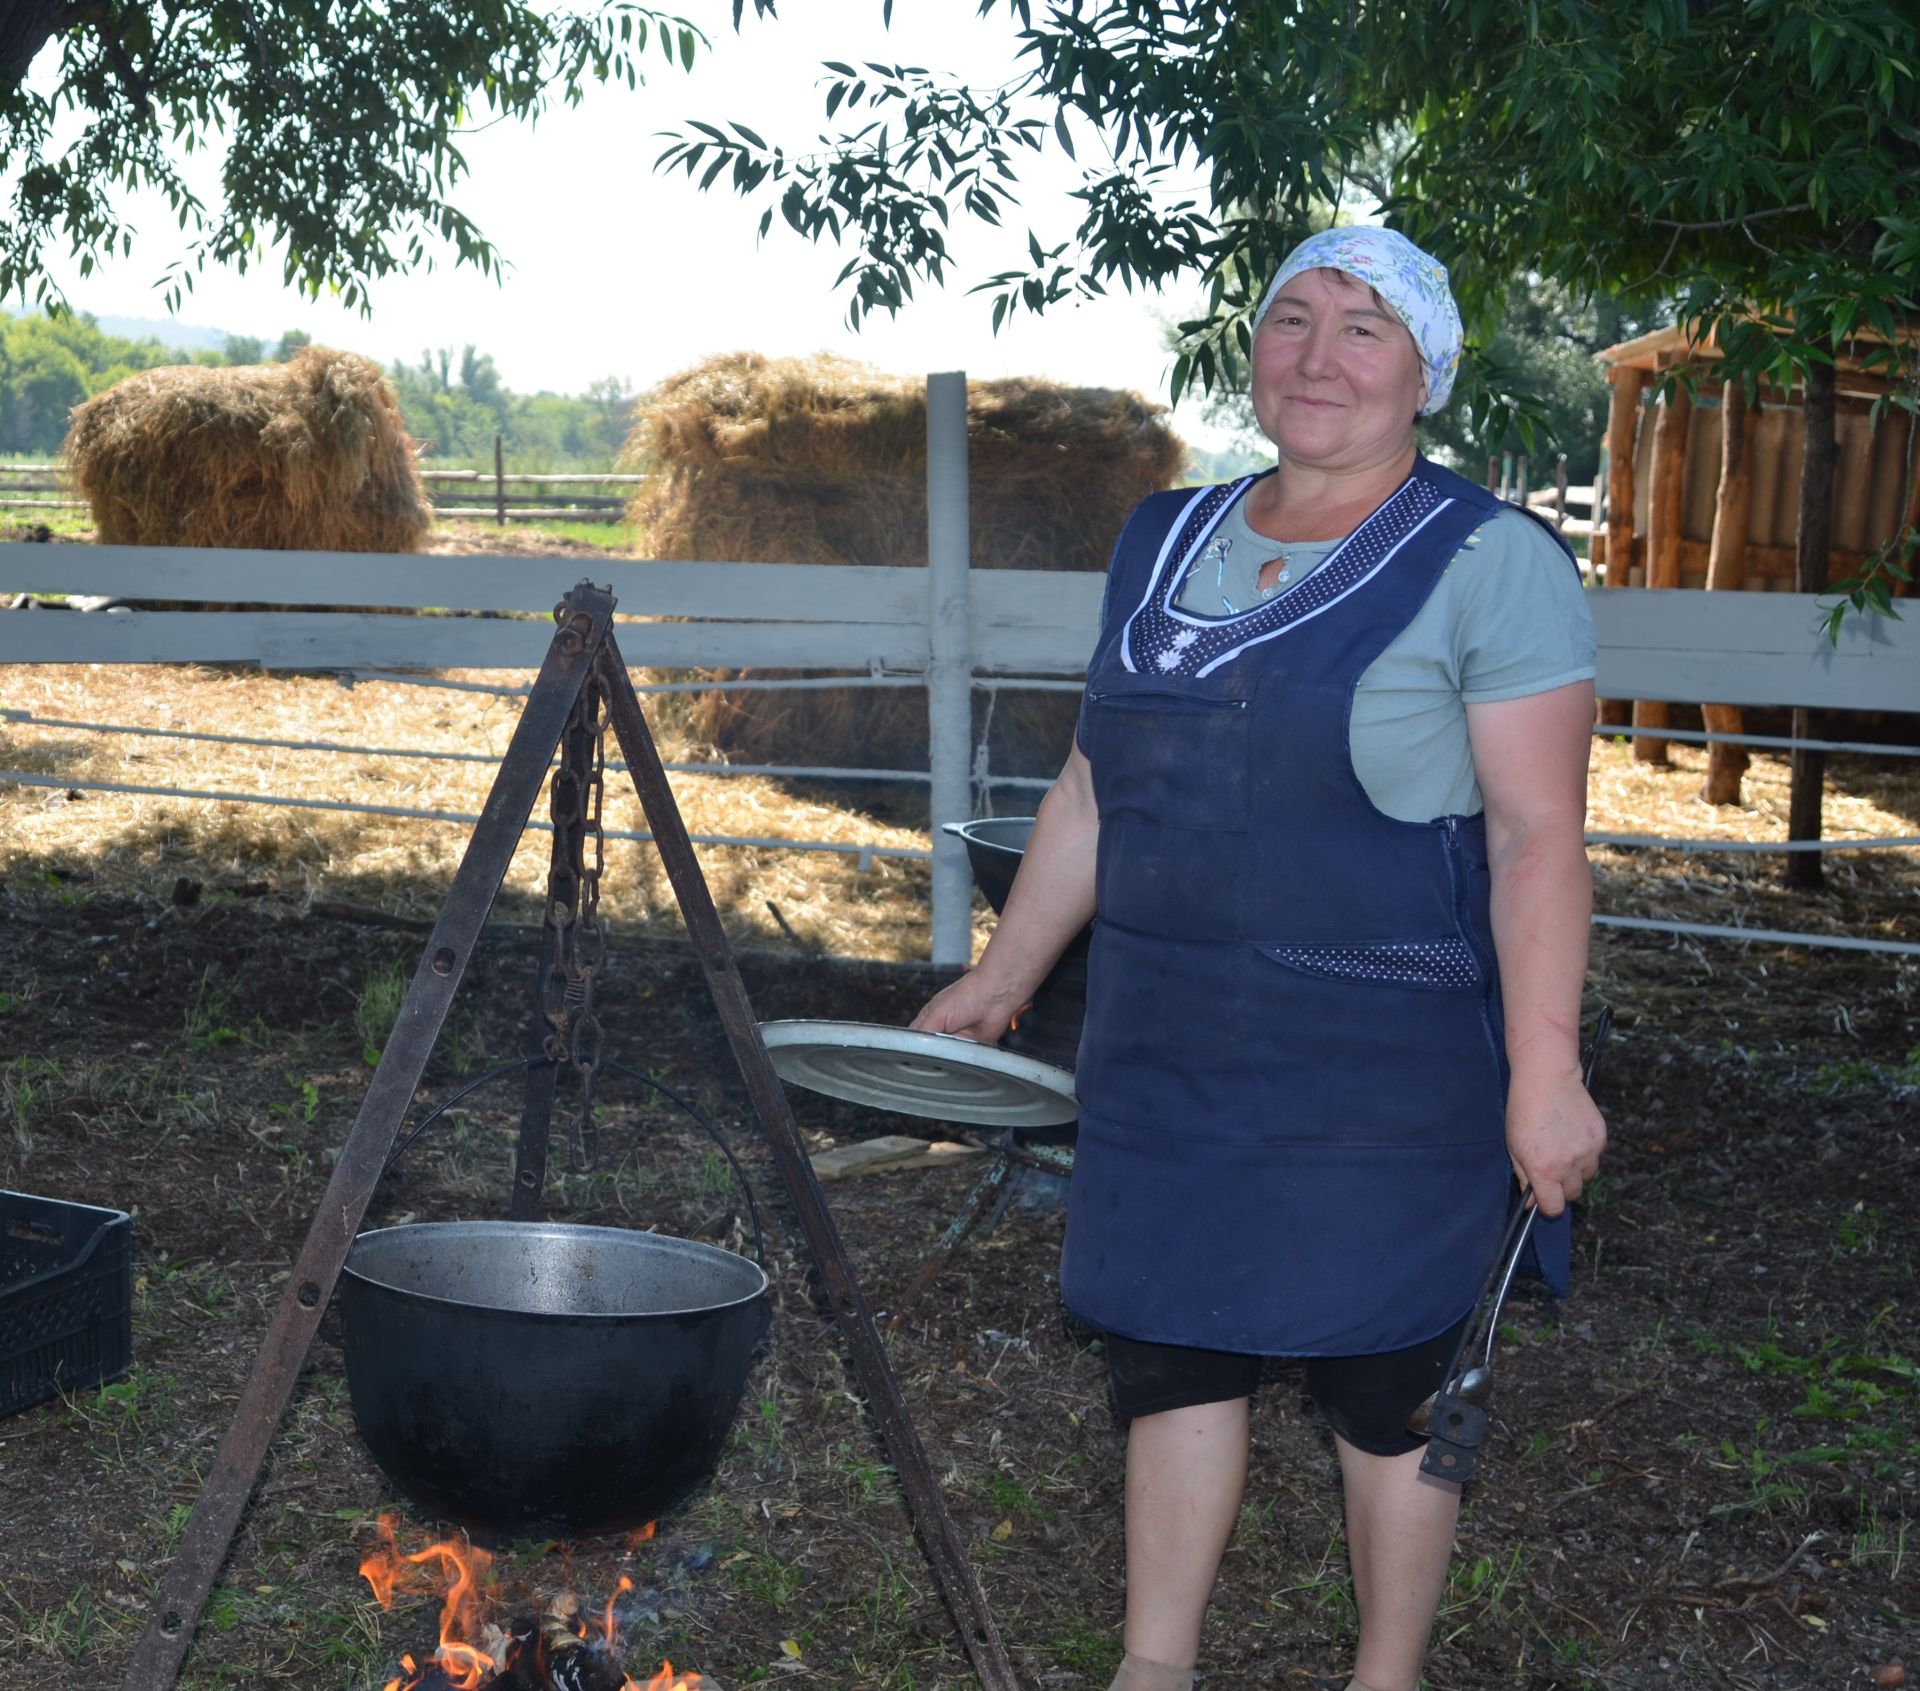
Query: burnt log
x=548 y=1653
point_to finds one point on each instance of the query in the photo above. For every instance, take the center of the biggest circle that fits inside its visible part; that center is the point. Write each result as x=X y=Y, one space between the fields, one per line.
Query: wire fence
x=500 y=494
x=865 y=853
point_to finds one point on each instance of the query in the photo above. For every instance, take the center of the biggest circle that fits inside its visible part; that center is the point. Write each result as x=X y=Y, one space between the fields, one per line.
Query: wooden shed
x=1697 y=493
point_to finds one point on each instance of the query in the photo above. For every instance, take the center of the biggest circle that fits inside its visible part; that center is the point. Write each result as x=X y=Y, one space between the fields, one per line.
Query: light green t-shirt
x=1507 y=618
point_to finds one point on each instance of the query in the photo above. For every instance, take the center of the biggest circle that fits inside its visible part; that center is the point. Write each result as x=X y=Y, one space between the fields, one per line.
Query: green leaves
x=1871 y=588
x=343 y=121
x=1754 y=165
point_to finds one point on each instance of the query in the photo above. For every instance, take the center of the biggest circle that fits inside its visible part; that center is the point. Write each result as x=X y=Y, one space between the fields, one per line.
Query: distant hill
x=180 y=337
x=184 y=337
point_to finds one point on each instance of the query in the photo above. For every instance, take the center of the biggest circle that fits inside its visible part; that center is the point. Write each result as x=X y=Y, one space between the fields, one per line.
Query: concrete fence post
x=950 y=665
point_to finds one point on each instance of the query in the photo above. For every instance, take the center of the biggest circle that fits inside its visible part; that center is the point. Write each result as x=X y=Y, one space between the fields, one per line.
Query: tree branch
x=1726 y=222
x=26 y=27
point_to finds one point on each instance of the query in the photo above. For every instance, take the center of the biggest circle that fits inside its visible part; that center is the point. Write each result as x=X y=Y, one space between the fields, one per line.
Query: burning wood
x=564 y=1647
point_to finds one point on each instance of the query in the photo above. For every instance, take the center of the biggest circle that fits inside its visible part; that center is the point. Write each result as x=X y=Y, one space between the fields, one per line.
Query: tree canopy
x=342 y=122
x=1739 y=157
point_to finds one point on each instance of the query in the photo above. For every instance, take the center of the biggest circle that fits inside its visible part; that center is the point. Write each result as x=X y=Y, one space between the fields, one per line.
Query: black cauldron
x=1050 y=1028
x=534 y=1377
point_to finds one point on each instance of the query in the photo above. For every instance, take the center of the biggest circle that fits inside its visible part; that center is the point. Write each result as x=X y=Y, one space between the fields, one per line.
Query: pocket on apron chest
x=1177 y=757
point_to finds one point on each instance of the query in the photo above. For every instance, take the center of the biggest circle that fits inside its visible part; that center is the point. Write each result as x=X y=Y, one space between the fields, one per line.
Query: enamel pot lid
x=937 y=1075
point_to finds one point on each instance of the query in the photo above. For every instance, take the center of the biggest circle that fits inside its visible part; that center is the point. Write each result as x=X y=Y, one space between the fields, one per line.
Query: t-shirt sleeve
x=1521 y=622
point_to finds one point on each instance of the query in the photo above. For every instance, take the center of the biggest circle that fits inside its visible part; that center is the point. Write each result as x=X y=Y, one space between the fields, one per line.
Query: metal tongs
x=1454 y=1419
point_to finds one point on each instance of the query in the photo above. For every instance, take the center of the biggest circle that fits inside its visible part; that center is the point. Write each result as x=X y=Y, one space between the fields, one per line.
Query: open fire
x=564 y=1647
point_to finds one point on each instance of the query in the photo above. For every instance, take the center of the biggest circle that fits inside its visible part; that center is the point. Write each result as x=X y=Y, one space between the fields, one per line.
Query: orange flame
x=640 y=1536
x=666 y=1680
x=608 y=1629
x=459 y=1571
x=463 y=1665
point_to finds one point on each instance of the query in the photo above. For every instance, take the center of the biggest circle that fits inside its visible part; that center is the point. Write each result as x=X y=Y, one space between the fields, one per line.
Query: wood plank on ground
x=890 y=1152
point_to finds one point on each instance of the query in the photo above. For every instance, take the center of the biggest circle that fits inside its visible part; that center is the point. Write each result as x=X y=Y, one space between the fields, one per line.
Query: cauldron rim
x=629 y=1238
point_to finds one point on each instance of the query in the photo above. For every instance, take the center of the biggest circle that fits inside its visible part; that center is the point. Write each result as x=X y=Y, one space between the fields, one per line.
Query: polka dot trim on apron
x=1429 y=963
x=1160 y=640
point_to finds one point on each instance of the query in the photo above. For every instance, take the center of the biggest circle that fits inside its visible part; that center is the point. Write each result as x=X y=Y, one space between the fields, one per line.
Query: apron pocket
x=1432 y=964
x=1177 y=759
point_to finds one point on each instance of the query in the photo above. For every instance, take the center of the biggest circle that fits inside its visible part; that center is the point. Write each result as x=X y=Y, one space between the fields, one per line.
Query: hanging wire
x=699 y=1117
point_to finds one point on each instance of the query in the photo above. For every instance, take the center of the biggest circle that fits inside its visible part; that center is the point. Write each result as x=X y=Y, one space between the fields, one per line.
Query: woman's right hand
x=972 y=1007
x=1051 y=901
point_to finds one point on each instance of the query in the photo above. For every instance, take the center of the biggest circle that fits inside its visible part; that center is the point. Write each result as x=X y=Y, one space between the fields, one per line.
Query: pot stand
x=1050 y=1031
x=583 y=649
x=986 y=1202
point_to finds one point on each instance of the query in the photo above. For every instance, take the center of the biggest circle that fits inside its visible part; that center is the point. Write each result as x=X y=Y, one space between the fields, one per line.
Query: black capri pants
x=1366 y=1398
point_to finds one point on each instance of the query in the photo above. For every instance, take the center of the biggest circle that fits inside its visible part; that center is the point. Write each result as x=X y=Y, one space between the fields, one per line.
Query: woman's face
x=1337 y=380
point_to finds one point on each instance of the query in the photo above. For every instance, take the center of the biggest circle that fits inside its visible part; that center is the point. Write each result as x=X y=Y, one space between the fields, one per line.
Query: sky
x=617 y=270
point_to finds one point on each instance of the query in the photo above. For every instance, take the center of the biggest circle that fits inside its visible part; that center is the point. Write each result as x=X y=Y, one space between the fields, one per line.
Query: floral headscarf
x=1411 y=282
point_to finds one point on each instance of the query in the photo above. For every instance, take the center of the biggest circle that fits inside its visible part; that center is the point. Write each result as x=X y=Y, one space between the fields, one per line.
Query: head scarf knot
x=1412 y=283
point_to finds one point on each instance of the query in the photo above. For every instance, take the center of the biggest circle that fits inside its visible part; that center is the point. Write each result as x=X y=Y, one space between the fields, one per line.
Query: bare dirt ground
x=1702 y=1470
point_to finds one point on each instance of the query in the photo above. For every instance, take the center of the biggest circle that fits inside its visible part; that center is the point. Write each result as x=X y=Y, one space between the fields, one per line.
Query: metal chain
x=573 y=1039
x=587 y=947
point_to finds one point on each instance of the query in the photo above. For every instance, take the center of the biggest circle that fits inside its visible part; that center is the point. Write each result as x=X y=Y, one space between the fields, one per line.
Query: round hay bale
x=824 y=461
x=308 y=455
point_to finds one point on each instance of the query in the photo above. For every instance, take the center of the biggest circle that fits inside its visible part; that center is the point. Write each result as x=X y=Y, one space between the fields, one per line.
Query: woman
x=1326 y=800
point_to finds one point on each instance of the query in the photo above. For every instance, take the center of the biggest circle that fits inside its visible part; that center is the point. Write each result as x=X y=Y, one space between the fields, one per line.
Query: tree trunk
x=1666 y=504
x=1726 y=570
x=1811 y=545
x=25 y=27
x=1623 y=431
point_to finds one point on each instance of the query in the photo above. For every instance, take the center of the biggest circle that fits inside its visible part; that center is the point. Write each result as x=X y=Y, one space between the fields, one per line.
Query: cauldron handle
x=700 y=1116
x=646 y=1080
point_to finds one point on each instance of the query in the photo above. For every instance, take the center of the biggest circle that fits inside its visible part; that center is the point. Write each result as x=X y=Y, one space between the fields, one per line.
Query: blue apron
x=1292 y=1080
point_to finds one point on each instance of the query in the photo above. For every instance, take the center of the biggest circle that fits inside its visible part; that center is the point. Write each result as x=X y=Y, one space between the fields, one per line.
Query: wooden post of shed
x=1665 y=505
x=1727 y=571
x=949 y=664
x=499 y=482
x=1623 y=429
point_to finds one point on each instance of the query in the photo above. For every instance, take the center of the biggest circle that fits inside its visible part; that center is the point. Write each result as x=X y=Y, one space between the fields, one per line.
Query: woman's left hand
x=1554 y=1134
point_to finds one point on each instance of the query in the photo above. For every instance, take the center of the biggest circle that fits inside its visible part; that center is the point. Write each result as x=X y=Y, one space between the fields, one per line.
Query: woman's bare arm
x=1530 y=756
x=1051 y=901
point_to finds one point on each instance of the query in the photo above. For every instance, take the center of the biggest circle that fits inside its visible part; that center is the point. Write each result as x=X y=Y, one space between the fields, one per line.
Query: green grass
x=36 y=1092
x=376 y=1007
x=1854 y=1075
x=1092 y=1651
x=1010 y=1497
x=67 y=1631
x=70 y=524
x=1481 y=1587
x=1864 y=1397
x=772 y=1578
x=210 y=1017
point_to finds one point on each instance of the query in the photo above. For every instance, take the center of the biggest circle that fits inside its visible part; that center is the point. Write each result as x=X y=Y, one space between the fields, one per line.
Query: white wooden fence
x=952 y=627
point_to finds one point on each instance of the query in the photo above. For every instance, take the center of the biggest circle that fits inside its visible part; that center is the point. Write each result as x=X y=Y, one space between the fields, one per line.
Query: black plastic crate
x=66 y=1297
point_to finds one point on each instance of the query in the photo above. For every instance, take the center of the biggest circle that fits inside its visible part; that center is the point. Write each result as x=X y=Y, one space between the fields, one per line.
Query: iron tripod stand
x=582 y=689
